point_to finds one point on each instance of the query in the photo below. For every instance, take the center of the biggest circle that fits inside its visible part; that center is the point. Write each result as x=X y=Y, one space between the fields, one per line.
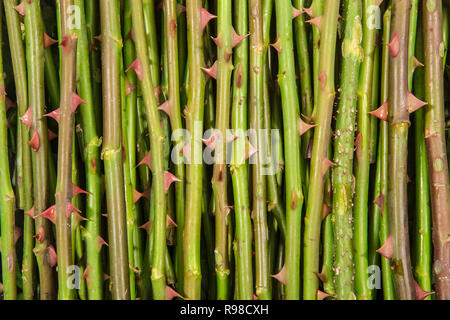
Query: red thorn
x=255 y=297
x=146 y=161
x=322 y=295
x=171 y=293
x=420 y=293
x=20 y=8
x=186 y=151
x=212 y=71
x=48 y=41
x=326 y=164
x=50 y=214
x=281 y=276
x=17 y=233
x=51 y=135
x=170 y=222
x=137 y=67
x=326 y=210
x=236 y=39
x=55 y=114
x=77 y=190
x=205 y=17
x=147 y=226
x=66 y=43
x=76 y=101
x=165 y=107
x=323 y=80
x=303 y=127
x=277 y=45
x=35 y=142
x=308 y=11
x=27 y=118
x=379 y=202
x=210 y=142
x=168 y=180
x=382 y=112
x=394 y=46
x=317 y=21
x=129 y=87
x=70 y=208
x=30 y=212
x=296 y=12
x=101 y=242
x=51 y=256
x=40 y=235
x=387 y=249
x=414 y=103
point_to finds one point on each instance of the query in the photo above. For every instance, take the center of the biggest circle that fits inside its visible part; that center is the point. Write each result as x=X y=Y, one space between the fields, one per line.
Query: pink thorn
x=420 y=293
x=147 y=226
x=277 y=45
x=170 y=222
x=303 y=127
x=281 y=276
x=205 y=17
x=76 y=101
x=35 y=142
x=27 y=118
x=70 y=208
x=146 y=161
x=51 y=135
x=416 y=62
x=326 y=164
x=379 y=202
x=250 y=151
x=296 y=12
x=48 y=41
x=382 y=112
x=414 y=103
x=51 y=256
x=317 y=21
x=101 y=242
x=387 y=249
x=236 y=39
x=55 y=114
x=165 y=107
x=50 y=214
x=30 y=212
x=40 y=235
x=308 y=11
x=20 y=8
x=85 y=274
x=212 y=71
x=77 y=190
x=171 y=293
x=106 y=277
x=210 y=142
x=137 y=67
x=168 y=180
x=129 y=87
x=255 y=297
x=394 y=46
x=136 y=195
x=186 y=151
x=322 y=295
x=66 y=43
x=217 y=41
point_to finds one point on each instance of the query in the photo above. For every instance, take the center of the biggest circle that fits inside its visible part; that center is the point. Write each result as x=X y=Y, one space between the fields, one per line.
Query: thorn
x=321 y=277
x=308 y=11
x=76 y=101
x=168 y=180
x=20 y=8
x=303 y=127
x=322 y=295
x=186 y=151
x=40 y=235
x=394 y=46
x=181 y=8
x=387 y=249
x=379 y=202
x=85 y=274
x=156 y=91
x=129 y=87
x=382 y=112
x=76 y=219
x=236 y=39
x=296 y=12
x=414 y=103
x=227 y=55
x=281 y=276
x=170 y=222
x=217 y=41
x=130 y=35
x=211 y=71
x=9 y=104
x=2 y=91
x=326 y=210
x=50 y=214
x=137 y=67
x=277 y=45
x=136 y=195
x=171 y=293
x=420 y=293
x=147 y=226
x=255 y=297
x=66 y=43
x=106 y=277
x=35 y=141
x=323 y=80
x=55 y=114
x=165 y=107
x=51 y=256
x=205 y=17
x=326 y=164
x=146 y=161
x=70 y=208
x=317 y=21
x=101 y=242
x=77 y=190
x=416 y=62
x=48 y=41
x=99 y=38
x=30 y=212
x=250 y=150
x=51 y=135
x=27 y=118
